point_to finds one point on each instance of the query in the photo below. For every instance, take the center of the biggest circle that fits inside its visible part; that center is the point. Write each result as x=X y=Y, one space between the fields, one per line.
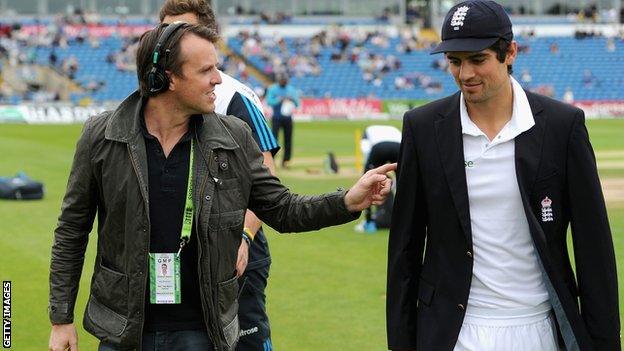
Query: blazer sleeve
x=405 y=247
x=593 y=245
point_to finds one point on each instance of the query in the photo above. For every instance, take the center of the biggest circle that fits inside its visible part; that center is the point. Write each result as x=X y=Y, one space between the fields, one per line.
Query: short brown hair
x=501 y=47
x=174 y=60
x=201 y=8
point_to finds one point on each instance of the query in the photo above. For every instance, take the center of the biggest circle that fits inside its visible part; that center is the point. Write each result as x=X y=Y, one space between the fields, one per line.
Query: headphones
x=157 y=78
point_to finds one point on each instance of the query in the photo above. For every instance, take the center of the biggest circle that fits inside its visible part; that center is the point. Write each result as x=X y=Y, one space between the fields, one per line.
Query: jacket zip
x=145 y=269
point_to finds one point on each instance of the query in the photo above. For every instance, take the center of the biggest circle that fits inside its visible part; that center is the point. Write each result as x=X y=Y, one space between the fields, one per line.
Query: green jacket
x=109 y=178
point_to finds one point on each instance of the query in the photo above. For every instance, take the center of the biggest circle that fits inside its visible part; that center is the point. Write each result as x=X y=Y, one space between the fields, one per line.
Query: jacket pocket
x=226 y=220
x=425 y=292
x=106 y=319
x=227 y=299
x=228 y=195
x=110 y=287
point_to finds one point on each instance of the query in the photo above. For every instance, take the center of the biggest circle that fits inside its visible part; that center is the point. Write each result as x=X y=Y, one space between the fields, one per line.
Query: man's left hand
x=371 y=189
x=243 y=256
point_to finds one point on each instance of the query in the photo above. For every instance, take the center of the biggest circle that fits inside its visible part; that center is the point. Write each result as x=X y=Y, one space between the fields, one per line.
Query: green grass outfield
x=327 y=289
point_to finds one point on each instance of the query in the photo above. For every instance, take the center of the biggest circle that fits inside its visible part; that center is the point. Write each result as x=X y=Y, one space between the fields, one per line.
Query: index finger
x=388 y=167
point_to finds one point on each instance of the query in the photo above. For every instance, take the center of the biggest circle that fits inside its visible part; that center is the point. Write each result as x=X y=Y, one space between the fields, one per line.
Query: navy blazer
x=430 y=246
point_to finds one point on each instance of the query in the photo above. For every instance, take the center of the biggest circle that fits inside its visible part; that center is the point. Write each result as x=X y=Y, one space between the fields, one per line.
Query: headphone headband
x=157 y=78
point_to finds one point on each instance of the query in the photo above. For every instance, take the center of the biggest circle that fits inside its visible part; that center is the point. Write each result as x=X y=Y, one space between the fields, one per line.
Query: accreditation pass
x=165 y=278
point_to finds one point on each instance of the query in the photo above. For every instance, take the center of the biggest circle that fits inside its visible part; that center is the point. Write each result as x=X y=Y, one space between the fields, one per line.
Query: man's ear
x=173 y=80
x=512 y=53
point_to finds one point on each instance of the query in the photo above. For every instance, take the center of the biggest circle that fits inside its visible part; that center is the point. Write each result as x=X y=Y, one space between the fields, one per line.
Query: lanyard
x=187 y=220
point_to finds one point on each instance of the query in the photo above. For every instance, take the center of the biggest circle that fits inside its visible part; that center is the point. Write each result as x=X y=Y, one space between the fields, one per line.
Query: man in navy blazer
x=489 y=180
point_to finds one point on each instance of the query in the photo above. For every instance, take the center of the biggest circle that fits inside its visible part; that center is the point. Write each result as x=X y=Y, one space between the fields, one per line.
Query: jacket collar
x=125 y=124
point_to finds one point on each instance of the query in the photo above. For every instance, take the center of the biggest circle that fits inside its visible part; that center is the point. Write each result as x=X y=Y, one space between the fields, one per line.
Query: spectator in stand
x=589 y=80
x=385 y=15
x=524 y=48
x=283 y=98
x=53 y=58
x=440 y=64
x=409 y=42
x=412 y=13
x=70 y=66
x=610 y=45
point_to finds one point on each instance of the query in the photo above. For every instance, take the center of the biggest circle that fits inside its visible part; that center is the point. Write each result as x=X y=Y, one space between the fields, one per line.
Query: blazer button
x=468 y=253
x=208 y=198
x=224 y=166
x=461 y=307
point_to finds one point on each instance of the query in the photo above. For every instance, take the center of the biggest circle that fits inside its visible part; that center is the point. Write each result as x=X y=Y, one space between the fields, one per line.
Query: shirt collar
x=521 y=117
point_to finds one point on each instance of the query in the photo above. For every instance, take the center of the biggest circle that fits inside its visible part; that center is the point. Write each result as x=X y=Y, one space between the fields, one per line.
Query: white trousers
x=493 y=332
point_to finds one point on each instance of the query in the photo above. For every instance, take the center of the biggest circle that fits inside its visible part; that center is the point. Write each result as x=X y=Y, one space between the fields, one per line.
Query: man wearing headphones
x=236 y=99
x=170 y=180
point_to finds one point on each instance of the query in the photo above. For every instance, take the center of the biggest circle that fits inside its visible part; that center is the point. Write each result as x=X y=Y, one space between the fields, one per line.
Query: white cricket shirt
x=506 y=273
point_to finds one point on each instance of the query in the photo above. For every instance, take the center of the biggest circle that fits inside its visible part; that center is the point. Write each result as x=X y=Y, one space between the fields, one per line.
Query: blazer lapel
x=528 y=155
x=528 y=149
x=451 y=151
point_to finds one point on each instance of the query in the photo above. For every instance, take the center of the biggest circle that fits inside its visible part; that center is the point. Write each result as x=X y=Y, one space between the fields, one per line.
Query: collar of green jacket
x=125 y=124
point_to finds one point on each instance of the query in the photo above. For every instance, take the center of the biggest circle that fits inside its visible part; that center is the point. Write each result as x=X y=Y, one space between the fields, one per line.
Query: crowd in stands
x=18 y=46
x=300 y=57
x=279 y=58
x=381 y=60
x=413 y=15
x=124 y=59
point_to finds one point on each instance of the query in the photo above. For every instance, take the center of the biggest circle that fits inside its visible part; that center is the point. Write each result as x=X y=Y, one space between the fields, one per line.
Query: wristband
x=248 y=233
x=246 y=238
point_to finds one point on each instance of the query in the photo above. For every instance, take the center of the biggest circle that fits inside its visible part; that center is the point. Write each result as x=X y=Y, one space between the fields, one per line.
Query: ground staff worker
x=283 y=98
x=169 y=181
x=236 y=99
x=489 y=180
x=380 y=145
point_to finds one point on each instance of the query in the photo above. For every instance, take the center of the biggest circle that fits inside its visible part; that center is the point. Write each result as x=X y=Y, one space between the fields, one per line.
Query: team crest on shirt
x=458 y=17
x=547 y=213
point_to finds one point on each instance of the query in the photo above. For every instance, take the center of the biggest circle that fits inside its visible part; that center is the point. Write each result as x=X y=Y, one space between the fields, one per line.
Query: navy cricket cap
x=474 y=26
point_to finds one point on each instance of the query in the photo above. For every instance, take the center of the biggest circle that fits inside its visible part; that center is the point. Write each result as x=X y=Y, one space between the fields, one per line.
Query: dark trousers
x=184 y=340
x=254 y=323
x=380 y=154
x=285 y=123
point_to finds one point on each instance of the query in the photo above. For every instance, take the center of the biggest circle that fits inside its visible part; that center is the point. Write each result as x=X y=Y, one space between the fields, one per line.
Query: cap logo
x=459 y=16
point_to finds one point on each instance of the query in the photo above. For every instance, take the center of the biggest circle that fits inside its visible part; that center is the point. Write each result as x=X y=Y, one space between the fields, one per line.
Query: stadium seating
x=343 y=79
x=93 y=66
x=558 y=72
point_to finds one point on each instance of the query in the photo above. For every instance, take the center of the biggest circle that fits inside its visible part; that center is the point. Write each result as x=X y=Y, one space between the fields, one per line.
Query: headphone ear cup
x=158 y=81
